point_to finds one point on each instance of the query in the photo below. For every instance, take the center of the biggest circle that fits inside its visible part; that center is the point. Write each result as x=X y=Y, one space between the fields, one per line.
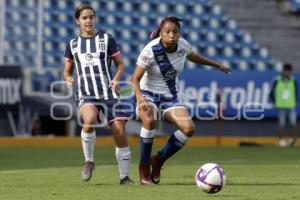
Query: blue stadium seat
x=206 y=26
x=295 y=6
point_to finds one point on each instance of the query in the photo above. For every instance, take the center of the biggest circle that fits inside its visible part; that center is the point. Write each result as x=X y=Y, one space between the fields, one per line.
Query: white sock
x=88 y=143
x=181 y=137
x=123 y=156
x=145 y=133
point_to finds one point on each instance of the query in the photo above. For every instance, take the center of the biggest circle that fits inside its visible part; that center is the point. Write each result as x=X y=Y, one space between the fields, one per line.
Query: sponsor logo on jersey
x=171 y=74
x=88 y=57
x=181 y=52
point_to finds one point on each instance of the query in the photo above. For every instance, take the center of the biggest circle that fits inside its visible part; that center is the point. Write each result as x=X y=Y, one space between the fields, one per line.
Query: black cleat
x=126 y=181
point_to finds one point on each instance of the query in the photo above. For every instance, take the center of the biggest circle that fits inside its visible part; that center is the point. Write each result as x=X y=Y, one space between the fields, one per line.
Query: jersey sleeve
x=68 y=53
x=188 y=47
x=113 y=48
x=146 y=58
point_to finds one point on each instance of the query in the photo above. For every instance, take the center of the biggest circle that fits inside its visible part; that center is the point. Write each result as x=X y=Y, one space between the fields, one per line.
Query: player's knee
x=149 y=123
x=188 y=129
x=89 y=122
x=118 y=131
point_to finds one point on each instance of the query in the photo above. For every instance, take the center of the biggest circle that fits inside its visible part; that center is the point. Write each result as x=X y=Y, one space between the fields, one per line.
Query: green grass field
x=54 y=173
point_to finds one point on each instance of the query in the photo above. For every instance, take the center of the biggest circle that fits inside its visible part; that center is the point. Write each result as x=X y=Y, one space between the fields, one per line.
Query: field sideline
x=195 y=141
x=47 y=173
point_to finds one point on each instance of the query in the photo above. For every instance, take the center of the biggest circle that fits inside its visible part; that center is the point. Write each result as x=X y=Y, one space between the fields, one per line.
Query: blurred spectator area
x=36 y=33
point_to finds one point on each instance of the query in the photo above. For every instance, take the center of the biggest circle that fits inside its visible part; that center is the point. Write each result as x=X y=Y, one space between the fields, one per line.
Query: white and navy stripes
x=92 y=59
x=162 y=68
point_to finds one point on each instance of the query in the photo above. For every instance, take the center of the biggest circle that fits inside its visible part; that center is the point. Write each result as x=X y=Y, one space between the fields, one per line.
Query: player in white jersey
x=97 y=90
x=155 y=85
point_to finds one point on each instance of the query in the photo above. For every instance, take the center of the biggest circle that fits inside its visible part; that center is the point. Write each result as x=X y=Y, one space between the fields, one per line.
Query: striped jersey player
x=91 y=55
x=92 y=58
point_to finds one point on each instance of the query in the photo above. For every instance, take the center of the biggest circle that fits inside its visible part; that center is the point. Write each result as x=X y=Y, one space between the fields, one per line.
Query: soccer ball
x=210 y=177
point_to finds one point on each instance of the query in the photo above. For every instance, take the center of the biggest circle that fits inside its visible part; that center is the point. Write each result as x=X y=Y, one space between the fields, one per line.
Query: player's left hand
x=224 y=69
x=115 y=86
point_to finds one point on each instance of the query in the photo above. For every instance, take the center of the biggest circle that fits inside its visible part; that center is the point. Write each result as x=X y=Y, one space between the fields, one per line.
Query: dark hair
x=287 y=67
x=173 y=19
x=82 y=7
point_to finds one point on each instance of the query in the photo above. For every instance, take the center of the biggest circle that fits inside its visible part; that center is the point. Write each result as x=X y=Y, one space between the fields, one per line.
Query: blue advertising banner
x=241 y=94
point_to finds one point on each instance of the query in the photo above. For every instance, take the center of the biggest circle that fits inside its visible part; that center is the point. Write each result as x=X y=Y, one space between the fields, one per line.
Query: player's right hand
x=69 y=81
x=143 y=105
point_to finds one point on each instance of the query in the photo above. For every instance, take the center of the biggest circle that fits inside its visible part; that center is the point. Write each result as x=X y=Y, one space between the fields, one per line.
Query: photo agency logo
x=65 y=108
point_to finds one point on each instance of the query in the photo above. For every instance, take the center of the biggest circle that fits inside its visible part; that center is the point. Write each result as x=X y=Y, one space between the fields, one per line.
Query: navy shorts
x=112 y=109
x=161 y=102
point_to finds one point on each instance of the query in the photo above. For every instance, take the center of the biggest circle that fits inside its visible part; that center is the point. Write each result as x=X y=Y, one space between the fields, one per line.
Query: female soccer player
x=97 y=90
x=155 y=85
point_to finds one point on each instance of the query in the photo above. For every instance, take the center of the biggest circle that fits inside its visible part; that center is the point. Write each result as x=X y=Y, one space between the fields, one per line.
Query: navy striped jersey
x=153 y=79
x=92 y=59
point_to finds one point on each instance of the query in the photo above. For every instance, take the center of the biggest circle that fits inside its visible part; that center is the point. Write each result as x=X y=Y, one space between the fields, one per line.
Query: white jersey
x=153 y=80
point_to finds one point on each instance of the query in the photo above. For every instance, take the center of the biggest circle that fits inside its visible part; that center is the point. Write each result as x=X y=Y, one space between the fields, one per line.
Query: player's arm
x=120 y=67
x=135 y=80
x=272 y=92
x=199 y=59
x=68 y=72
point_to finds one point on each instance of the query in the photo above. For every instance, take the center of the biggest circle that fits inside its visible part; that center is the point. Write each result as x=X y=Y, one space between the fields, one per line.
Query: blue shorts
x=283 y=114
x=112 y=109
x=161 y=102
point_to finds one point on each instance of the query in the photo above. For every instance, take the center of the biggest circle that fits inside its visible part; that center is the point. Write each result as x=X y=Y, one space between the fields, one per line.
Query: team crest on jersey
x=88 y=57
x=169 y=75
x=160 y=58
x=102 y=46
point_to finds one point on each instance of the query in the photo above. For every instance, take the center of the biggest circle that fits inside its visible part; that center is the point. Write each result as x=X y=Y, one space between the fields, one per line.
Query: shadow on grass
x=263 y=184
x=177 y=183
x=218 y=195
x=102 y=184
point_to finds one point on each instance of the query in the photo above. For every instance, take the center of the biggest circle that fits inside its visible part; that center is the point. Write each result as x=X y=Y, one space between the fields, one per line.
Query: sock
x=88 y=143
x=174 y=144
x=123 y=156
x=146 y=142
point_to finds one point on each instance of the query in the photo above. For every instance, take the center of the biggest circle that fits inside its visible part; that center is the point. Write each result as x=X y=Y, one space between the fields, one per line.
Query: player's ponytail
x=176 y=20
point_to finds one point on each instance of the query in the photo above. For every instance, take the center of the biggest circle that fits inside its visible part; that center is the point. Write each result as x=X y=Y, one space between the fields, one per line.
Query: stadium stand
x=295 y=6
x=272 y=25
x=206 y=25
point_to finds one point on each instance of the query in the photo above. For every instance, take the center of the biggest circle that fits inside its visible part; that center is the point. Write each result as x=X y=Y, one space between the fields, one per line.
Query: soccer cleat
x=291 y=142
x=87 y=171
x=282 y=143
x=144 y=170
x=156 y=164
x=126 y=181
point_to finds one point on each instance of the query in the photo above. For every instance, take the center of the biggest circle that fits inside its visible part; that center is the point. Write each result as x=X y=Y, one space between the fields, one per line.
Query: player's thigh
x=88 y=113
x=180 y=117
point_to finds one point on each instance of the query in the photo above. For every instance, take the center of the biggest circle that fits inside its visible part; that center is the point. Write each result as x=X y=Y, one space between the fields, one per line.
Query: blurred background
x=254 y=37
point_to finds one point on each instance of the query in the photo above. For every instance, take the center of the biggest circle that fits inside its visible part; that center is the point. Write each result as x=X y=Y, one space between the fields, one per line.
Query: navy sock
x=173 y=145
x=145 y=149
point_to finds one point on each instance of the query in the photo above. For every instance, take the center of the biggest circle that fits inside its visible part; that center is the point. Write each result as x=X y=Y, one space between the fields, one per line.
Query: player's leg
x=181 y=119
x=293 y=127
x=123 y=153
x=281 y=126
x=88 y=113
x=147 y=133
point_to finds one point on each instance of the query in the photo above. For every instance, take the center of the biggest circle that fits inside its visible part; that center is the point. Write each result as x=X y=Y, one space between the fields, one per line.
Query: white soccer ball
x=210 y=178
